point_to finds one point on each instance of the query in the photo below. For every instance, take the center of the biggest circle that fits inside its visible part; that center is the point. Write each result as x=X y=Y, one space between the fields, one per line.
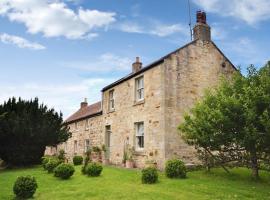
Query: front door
x=108 y=141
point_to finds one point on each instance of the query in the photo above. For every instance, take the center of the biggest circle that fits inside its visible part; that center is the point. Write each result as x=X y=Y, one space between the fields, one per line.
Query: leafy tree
x=232 y=123
x=26 y=128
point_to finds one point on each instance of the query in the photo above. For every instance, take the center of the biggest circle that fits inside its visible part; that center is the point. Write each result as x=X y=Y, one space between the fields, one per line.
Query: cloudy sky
x=65 y=50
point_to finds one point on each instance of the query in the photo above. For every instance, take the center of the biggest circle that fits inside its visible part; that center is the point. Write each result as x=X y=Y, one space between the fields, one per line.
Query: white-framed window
x=86 y=145
x=75 y=146
x=139 y=91
x=139 y=127
x=76 y=126
x=86 y=124
x=111 y=100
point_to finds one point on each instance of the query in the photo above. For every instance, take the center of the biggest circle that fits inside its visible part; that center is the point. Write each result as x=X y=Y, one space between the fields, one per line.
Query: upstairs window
x=139 y=88
x=139 y=135
x=86 y=124
x=111 y=100
x=86 y=145
x=76 y=126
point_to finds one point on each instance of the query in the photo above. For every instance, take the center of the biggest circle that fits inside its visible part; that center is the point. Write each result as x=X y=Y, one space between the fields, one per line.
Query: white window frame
x=111 y=100
x=139 y=134
x=139 y=88
x=86 y=146
x=75 y=146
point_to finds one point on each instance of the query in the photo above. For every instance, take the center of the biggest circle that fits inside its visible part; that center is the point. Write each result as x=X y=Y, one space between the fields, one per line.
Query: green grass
x=115 y=183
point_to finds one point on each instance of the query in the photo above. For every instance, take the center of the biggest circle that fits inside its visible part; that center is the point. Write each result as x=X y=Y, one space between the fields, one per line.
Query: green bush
x=175 y=169
x=149 y=175
x=77 y=160
x=94 y=169
x=64 y=171
x=61 y=155
x=53 y=163
x=44 y=161
x=25 y=187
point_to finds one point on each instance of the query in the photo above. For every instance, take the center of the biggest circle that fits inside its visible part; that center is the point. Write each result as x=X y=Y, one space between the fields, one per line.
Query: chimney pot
x=84 y=104
x=137 y=65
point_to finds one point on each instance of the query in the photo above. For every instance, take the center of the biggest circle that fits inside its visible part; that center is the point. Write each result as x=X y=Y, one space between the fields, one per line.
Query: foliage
x=26 y=128
x=232 y=123
x=61 y=155
x=77 y=160
x=44 y=161
x=103 y=148
x=87 y=159
x=25 y=187
x=175 y=169
x=149 y=175
x=94 y=169
x=64 y=171
x=96 y=149
x=52 y=164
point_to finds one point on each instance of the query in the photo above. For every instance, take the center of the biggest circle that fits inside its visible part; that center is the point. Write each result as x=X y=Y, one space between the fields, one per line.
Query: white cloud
x=250 y=11
x=65 y=97
x=20 y=42
x=107 y=62
x=54 y=18
x=155 y=28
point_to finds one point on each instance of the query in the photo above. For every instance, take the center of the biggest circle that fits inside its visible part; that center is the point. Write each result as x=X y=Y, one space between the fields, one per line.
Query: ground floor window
x=86 y=145
x=139 y=127
x=75 y=146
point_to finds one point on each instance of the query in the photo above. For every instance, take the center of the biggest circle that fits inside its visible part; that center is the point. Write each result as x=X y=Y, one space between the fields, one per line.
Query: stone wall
x=188 y=73
x=127 y=112
x=93 y=133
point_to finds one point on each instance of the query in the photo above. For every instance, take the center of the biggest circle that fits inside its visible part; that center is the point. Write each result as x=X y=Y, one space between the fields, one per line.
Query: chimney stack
x=201 y=30
x=84 y=104
x=137 y=65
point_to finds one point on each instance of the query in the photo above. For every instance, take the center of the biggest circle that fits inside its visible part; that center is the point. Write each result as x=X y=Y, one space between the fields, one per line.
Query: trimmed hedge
x=77 y=160
x=93 y=169
x=64 y=171
x=25 y=187
x=149 y=175
x=53 y=163
x=175 y=169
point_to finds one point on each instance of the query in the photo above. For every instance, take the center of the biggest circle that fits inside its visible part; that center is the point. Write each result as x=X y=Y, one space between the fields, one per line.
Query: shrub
x=61 y=155
x=25 y=187
x=64 y=171
x=175 y=169
x=53 y=163
x=94 y=169
x=77 y=160
x=44 y=161
x=96 y=149
x=149 y=175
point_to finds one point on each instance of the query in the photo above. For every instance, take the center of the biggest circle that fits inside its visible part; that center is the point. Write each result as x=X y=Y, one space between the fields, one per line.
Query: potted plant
x=105 y=159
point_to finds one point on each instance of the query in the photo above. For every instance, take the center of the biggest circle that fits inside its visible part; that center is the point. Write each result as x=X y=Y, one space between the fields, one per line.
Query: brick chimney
x=201 y=30
x=84 y=104
x=137 y=65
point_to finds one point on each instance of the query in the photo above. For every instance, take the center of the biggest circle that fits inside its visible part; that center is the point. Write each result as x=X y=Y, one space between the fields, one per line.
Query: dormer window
x=139 y=83
x=111 y=100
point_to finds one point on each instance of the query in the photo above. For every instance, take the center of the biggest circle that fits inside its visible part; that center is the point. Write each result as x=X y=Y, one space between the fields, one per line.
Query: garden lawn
x=116 y=183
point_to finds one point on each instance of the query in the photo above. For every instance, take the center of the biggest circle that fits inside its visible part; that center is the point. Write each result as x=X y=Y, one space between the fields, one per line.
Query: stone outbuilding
x=144 y=108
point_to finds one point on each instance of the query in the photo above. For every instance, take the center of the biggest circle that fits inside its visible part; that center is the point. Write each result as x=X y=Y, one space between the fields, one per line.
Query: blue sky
x=65 y=50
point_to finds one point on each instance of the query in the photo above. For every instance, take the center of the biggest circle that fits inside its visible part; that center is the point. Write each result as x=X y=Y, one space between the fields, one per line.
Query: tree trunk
x=254 y=166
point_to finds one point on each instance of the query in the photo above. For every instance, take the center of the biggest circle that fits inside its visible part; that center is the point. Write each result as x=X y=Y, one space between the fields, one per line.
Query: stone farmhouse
x=144 y=108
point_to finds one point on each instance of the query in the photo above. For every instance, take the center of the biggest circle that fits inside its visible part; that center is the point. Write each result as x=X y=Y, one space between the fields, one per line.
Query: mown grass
x=116 y=183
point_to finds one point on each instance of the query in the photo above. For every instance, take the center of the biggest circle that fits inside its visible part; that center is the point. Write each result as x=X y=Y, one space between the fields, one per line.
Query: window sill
x=139 y=102
x=111 y=111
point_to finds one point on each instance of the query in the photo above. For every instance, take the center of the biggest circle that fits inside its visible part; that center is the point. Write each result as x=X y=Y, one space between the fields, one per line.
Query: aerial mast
x=190 y=29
